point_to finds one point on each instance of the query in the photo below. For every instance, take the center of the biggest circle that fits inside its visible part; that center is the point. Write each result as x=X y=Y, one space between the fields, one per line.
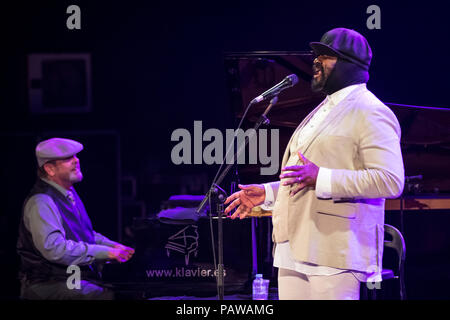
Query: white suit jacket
x=360 y=142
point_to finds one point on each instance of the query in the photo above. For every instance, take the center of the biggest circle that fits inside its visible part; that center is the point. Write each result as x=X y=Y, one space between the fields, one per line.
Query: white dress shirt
x=283 y=257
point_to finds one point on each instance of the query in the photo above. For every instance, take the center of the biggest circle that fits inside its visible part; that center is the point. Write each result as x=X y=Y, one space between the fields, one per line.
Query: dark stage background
x=157 y=66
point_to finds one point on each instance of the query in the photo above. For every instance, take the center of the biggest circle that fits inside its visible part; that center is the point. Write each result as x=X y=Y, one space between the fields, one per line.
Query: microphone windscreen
x=293 y=79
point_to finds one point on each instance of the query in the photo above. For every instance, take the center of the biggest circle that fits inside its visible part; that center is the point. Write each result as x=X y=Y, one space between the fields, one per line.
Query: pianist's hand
x=120 y=253
x=250 y=196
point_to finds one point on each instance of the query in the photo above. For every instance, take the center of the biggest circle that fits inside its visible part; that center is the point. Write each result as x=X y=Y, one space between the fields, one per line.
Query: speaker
x=59 y=83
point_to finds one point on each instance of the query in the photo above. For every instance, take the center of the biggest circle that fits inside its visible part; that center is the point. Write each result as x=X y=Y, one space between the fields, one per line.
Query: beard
x=343 y=74
x=75 y=176
x=318 y=83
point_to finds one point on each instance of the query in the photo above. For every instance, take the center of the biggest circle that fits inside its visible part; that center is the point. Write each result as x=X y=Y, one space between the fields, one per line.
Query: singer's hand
x=299 y=177
x=250 y=196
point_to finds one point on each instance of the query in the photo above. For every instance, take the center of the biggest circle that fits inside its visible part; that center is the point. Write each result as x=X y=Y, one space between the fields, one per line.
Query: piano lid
x=250 y=74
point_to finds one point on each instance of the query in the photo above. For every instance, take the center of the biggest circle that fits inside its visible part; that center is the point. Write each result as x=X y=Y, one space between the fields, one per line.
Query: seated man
x=55 y=232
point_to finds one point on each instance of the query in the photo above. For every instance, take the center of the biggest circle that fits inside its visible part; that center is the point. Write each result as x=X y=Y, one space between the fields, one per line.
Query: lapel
x=294 y=135
x=339 y=111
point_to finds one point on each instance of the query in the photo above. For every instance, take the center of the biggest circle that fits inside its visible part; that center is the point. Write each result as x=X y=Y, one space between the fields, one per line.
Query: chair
x=394 y=240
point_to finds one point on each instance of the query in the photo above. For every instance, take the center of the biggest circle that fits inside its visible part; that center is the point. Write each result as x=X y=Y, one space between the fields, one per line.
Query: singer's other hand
x=300 y=177
x=250 y=196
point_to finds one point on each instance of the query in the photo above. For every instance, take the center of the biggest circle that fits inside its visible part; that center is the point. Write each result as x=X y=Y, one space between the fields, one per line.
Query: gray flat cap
x=56 y=148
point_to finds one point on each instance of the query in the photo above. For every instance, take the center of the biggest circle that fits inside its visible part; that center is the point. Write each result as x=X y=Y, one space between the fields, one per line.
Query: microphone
x=287 y=82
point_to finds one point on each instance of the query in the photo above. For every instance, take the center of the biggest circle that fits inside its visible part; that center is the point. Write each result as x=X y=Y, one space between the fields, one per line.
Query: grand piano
x=422 y=212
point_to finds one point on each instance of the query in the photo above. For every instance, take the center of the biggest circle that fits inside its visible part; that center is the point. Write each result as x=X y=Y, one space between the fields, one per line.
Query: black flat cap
x=346 y=44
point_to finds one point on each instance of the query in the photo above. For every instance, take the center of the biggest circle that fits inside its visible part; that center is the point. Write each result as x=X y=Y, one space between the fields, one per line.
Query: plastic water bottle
x=260 y=288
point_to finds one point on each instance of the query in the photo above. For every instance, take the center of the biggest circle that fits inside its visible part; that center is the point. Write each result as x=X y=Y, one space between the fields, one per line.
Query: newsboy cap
x=346 y=44
x=56 y=148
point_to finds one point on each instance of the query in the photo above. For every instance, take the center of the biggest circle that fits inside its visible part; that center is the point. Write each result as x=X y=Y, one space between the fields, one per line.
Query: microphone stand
x=217 y=195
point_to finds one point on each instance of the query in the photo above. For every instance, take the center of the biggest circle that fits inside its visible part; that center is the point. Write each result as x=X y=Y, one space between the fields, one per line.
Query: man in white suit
x=341 y=163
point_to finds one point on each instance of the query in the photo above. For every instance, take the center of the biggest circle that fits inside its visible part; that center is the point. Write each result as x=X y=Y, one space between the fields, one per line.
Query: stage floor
x=273 y=295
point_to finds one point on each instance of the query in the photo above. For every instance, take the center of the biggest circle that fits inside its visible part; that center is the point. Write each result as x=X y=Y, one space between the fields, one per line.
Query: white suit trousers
x=293 y=285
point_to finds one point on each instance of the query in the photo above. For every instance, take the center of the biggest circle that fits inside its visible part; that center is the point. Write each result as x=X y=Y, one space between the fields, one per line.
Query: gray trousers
x=58 y=290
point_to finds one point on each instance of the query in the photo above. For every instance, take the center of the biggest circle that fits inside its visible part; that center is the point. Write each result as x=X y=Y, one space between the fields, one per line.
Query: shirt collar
x=64 y=191
x=340 y=95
